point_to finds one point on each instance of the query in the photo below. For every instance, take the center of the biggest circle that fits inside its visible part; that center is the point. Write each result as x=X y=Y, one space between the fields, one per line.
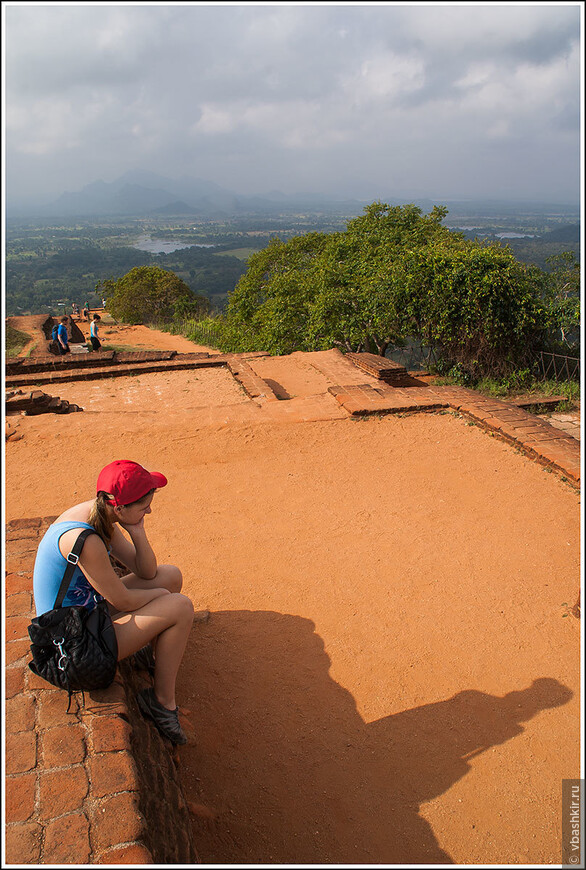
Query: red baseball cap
x=128 y=481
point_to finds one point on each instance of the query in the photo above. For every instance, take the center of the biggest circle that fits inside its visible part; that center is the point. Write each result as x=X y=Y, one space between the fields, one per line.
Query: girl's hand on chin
x=133 y=526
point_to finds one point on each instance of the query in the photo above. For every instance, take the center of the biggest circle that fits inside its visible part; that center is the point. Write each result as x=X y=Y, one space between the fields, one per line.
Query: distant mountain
x=139 y=194
x=143 y=194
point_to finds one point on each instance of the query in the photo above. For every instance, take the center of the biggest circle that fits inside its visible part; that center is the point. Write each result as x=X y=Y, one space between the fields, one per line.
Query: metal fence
x=555 y=367
x=414 y=356
x=201 y=333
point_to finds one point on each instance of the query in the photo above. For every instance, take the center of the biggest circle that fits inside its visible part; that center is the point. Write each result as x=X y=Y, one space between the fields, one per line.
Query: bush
x=148 y=294
x=15 y=340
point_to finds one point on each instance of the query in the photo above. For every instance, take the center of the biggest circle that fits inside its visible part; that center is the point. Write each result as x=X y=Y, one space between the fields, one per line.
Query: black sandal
x=167 y=721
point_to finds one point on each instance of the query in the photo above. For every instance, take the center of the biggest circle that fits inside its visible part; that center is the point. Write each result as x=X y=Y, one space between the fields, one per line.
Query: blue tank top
x=49 y=568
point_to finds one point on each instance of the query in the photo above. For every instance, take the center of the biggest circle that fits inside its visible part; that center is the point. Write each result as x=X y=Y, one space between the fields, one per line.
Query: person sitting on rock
x=151 y=617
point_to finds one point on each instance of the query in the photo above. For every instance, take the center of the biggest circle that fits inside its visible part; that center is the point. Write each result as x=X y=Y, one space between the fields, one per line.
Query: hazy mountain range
x=147 y=194
x=140 y=194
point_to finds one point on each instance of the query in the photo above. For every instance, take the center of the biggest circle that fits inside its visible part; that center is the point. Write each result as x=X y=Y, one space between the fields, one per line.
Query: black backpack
x=72 y=647
x=54 y=332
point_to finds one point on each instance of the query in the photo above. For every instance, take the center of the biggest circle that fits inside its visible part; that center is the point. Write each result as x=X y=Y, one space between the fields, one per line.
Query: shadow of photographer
x=290 y=772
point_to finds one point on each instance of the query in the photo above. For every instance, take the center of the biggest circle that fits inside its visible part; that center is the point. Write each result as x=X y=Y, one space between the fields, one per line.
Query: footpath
x=100 y=785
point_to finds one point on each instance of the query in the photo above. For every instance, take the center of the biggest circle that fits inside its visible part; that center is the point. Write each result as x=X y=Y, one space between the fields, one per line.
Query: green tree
x=562 y=294
x=322 y=290
x=394 y=275
x=270 y=306
x=146 y=294
x=476 y=304
x=361 y=273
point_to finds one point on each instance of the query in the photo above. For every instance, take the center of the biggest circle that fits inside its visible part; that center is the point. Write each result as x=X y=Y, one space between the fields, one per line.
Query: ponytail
x=100 y=518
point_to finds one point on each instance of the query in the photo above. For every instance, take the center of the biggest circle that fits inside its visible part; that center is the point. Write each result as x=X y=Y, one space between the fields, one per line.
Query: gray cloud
x=350 y=100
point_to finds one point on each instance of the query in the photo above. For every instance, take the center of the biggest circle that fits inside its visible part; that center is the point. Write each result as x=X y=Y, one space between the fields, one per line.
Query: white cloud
x=268 y=96
x=386 y=76
x=215 y=119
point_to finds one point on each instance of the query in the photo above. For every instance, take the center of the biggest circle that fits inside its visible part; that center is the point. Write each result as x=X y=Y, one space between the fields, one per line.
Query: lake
x=161 y=246
x=514 y=236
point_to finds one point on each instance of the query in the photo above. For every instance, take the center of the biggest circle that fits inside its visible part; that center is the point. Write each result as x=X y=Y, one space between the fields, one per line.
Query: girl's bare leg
x=167 y=577
x=168 y=619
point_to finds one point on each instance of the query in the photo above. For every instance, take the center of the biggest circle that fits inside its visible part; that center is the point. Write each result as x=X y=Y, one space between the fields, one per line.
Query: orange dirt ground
x=390 y=673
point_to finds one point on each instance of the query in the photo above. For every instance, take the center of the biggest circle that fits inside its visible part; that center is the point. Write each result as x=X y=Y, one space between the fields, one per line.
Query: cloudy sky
x=353 y=100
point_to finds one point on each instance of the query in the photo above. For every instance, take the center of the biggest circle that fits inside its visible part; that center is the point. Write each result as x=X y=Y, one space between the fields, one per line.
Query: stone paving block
x=62 y=791
x=67 y=840
x=511 y=428
x=567 y=465
x=479 y=412
x=116 y=820
x=540 y=436
x=424 y=400
x=16 y=650
x=20 y=534
x=491 y=422
x=32 y=681
x=19 y=604
x=22 y=546
x=565 y=427
x=565 y=418
x=529 y=424
x=525 y=434
x=15 y=564
x=20 y=797
x=62 y=745
x=21 y=751
x=52 y=709
x=14 y=680
x=133 y=853
x=509 y=416
x=23 y=843
x=112 y=772
x=109 y=734
x=26 y=523
x=557 y=451
x=19 y=712
x=16 y=628
x=104 y=702
x=17 y=582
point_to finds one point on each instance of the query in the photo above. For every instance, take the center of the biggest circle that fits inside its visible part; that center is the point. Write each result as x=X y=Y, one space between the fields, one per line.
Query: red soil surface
x=389 y=673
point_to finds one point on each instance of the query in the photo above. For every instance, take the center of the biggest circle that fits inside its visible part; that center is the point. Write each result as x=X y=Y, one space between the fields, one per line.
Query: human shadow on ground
x=289 y=769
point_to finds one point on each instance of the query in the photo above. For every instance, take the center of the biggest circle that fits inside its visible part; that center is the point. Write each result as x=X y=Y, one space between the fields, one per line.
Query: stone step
x=37 y=402
x=379 y=366
x=528 y=402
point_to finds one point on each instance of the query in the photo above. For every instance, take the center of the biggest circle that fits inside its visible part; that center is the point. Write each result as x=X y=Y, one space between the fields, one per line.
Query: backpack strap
x=72 y=560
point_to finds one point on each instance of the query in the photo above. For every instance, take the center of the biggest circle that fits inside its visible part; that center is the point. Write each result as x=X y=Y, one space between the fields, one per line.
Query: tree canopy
x=562 y=292
x=394 y=275
x=149 y=294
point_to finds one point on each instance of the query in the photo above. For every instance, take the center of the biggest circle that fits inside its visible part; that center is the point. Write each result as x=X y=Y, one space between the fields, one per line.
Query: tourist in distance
x=96 y=343
x=62 y=337
x=151 y=617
